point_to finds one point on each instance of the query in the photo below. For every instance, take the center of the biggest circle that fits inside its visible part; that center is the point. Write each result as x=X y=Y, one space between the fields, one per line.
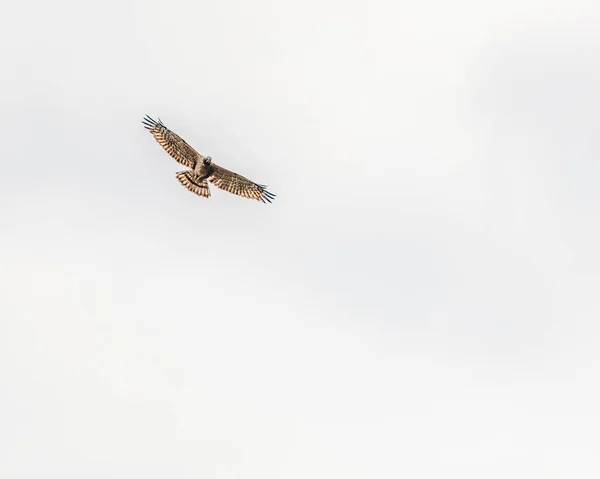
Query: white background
x=420 y=301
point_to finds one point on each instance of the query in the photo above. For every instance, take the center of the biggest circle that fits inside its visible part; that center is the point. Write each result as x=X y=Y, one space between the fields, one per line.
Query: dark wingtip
x=268 y=196
x=264 y=194
x=148 y=122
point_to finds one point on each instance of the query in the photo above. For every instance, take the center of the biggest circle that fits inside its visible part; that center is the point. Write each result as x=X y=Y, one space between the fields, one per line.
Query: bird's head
x=207 y=160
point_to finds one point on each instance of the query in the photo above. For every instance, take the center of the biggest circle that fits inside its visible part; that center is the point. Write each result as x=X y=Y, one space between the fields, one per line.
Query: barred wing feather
x=238 y=185
x=172 y=143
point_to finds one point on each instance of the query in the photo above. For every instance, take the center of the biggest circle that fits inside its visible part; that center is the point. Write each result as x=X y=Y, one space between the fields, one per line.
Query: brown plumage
x=193 y=183
x=202 y=168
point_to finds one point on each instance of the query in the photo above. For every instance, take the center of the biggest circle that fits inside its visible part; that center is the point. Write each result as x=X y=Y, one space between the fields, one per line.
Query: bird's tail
x=193 y=183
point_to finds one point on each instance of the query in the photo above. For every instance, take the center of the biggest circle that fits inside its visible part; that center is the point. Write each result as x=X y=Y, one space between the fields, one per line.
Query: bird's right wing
x=172 y=143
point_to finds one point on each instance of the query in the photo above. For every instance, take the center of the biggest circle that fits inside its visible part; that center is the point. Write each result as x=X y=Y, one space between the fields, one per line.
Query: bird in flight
x=202 y=168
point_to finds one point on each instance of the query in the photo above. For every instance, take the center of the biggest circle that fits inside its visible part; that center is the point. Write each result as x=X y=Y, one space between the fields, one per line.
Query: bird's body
x=201 y=169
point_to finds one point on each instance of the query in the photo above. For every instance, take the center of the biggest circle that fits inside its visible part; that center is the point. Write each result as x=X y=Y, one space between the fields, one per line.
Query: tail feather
x=193 y=183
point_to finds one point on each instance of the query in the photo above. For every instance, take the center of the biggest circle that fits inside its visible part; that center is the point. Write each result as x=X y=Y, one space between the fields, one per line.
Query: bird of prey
x=202 y=168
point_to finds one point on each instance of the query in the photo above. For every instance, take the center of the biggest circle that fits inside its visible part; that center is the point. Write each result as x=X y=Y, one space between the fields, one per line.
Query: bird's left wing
x=172 y=143
x=238 y=185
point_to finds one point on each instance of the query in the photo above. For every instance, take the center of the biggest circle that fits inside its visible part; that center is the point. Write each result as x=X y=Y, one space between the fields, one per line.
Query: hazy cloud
x=420 y=300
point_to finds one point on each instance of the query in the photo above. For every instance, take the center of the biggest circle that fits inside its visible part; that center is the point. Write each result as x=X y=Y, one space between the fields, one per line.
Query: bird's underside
x=201 y=169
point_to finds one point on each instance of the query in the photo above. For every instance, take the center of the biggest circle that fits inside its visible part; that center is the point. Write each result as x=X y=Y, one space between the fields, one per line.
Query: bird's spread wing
x=173 y=144
x=193 y=183
x=238 y=185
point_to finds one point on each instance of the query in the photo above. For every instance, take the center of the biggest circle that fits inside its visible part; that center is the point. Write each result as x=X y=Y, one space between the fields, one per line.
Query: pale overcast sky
x=422 y=299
